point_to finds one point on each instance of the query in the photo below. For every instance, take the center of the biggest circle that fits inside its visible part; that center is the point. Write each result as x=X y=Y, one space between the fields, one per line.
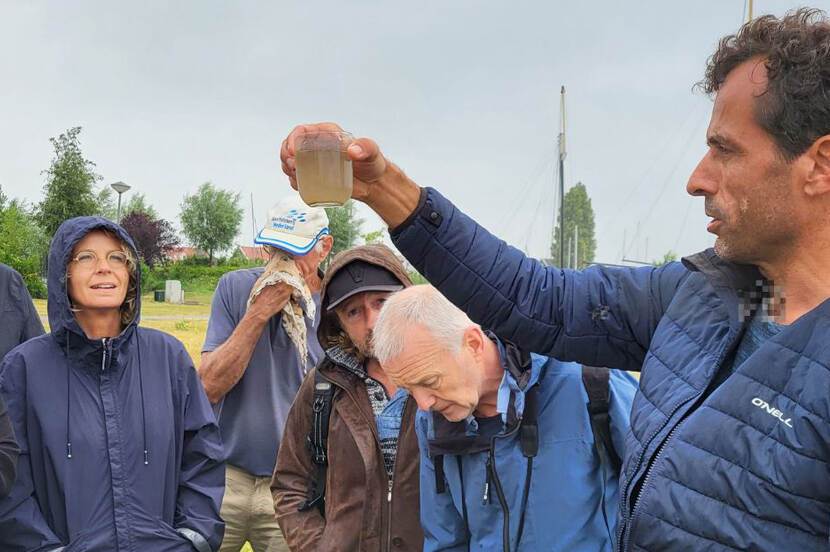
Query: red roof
x=253 y=253
x=179 y=253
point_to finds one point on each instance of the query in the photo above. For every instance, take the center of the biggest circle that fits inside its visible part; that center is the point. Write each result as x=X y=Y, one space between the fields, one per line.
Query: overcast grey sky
x=464 y=95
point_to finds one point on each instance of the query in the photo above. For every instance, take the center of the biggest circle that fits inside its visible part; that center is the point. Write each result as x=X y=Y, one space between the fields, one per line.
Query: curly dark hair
x=795 y=108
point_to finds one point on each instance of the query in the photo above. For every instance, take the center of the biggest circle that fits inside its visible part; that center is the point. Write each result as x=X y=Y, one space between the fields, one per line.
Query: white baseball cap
x=293 y=226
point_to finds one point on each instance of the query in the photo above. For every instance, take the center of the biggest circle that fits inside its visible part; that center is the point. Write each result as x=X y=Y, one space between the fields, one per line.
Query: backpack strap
x=596 y=382
x=596 y=385
x=440 y=482
x=317 y=442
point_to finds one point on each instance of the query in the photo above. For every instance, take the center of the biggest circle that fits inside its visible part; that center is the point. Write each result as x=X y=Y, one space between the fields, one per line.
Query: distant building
x=181 y=253
x=251 y=253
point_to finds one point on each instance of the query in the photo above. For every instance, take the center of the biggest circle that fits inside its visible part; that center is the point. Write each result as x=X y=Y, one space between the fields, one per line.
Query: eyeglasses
x=88 y=259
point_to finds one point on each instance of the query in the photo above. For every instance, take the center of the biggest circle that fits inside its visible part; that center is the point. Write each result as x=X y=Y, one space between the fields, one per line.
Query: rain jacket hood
x=80 y=349
x=120 y=450
x=329 y=332
x=61 y=319
x=364 y=508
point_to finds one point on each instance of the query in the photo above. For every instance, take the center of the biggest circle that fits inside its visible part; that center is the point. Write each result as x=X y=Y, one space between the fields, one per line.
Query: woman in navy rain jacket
x=119 y=448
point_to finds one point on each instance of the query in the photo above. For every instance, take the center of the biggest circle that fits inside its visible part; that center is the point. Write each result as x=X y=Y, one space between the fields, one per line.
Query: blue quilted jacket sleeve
x=602 y=316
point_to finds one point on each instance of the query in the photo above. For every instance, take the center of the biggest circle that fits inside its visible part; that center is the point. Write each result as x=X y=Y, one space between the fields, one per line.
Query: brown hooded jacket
x=361 y=514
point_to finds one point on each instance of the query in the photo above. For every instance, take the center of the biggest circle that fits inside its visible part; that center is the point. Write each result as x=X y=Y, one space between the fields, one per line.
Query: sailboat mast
x=562 y=153
x=253 y=220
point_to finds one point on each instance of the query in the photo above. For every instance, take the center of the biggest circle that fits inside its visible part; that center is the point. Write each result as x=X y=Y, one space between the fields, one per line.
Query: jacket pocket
x=78 y=544
x=152 y=533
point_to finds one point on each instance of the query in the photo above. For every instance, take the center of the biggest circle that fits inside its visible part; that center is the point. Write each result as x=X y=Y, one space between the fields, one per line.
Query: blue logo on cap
x=288 y=221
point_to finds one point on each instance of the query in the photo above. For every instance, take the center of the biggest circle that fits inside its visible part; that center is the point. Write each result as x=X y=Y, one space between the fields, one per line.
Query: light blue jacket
x=564 y=506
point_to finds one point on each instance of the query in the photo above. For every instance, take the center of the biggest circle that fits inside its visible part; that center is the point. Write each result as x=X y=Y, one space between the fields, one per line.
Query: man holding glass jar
x=729 y=427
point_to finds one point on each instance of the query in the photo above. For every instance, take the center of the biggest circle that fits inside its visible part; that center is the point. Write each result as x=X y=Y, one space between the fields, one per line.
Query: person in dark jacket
x=120 y=450
x=20 y=323
x=728 y=447
x=20 y=319
x=486 y=482
x=9 y=451
x=371 y=481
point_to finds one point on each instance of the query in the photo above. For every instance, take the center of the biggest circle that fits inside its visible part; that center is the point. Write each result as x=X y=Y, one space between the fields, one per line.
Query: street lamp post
x=119 y=187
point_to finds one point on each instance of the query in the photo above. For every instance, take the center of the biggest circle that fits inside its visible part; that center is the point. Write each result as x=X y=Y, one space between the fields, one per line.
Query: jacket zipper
x=493 y=473
x=391 y=483
x=104 y=356
x=373 y=427
x=485 y=500
x=625 y=532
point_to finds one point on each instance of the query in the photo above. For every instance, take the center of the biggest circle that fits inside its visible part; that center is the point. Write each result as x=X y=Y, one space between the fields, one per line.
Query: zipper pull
x=104 y=356
x=485 y=499
x=389 y=492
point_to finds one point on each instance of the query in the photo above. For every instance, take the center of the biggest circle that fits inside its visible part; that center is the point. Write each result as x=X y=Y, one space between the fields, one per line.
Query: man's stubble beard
x=365 y=349
x=762 y=224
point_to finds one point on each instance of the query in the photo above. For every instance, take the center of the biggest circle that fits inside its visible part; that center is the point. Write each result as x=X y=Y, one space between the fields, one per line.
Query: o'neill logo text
x=772 y=411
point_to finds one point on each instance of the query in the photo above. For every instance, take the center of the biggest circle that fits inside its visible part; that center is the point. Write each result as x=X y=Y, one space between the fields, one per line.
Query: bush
x=23 y=245
x=196 y=275
x=416 y=278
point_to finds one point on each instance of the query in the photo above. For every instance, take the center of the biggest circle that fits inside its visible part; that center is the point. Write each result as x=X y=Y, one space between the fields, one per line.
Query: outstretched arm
x=599 y=316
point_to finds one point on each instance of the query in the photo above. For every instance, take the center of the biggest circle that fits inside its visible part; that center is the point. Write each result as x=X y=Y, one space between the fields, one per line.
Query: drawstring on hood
x=141 y=393
x=63 y=324
x=68 y=402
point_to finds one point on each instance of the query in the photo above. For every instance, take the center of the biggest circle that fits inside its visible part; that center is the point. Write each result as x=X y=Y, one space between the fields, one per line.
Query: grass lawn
x=189 y=331
x=151 y=308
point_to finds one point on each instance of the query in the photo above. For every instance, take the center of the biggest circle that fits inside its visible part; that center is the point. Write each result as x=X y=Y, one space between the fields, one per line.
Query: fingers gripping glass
x=89 y=259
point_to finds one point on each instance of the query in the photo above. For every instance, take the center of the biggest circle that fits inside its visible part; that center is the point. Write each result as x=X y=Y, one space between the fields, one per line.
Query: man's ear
x=473 y=339
x=818 y=175
x=328 y=243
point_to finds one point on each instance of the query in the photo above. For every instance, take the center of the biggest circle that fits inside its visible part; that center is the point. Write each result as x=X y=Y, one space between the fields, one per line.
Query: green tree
x=23 y=244
x=669 y=257
x=138 y=204
x=70 y=189
x=344 y=226
x=107 y=207
x=578 y=213
x=374 y=237
x=210 y=218
x=152 y=237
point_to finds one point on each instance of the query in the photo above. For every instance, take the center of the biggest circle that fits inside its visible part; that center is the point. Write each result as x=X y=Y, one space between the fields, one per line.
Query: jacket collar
x=741 y=287
x=724 y=273
x=521 y=372
x=346 y=361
